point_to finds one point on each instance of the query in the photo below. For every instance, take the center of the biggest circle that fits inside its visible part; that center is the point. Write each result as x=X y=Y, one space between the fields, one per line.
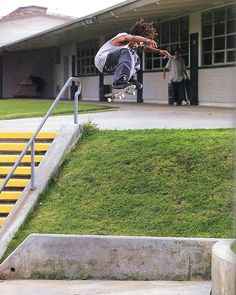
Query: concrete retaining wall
x=110 y=257
x=223 y=269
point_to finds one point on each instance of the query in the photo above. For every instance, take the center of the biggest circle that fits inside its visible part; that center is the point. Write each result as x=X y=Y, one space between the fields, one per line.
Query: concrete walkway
x=137 y=116
x=42 y=287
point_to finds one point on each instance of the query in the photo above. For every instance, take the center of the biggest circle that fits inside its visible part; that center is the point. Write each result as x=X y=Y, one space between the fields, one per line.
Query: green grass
x=144 y=183
x=28 y=108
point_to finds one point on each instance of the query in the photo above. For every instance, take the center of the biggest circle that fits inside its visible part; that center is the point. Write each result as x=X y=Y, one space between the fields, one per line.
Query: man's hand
x=151 y=43
x=165 y=53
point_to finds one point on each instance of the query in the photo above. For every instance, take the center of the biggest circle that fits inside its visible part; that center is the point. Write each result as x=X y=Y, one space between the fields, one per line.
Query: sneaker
x=184 y=103
x=175 y=104
x=136 y=83
x=121 y=83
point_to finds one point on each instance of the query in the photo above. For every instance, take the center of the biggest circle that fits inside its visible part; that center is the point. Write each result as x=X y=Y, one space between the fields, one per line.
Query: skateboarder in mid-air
x=119 y=54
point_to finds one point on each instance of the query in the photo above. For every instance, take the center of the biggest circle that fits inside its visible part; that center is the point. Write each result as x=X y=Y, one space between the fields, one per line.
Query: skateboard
x=119 y=94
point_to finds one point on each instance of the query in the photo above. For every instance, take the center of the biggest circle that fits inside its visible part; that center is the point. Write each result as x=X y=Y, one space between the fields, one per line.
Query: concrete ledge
x=223 y=268
x=109 y=257
x=67 y=136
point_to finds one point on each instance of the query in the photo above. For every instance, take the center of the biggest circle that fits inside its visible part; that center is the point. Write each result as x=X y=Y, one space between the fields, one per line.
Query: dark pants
x=123 y=62
x=178 y=91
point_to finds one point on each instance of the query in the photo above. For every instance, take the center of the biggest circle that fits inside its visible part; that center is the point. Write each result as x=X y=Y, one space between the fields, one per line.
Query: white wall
x=155 y=88
x=217 y=86
x=90 y=88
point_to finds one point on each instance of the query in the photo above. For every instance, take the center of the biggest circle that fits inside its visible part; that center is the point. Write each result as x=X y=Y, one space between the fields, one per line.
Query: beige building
x=205 y=30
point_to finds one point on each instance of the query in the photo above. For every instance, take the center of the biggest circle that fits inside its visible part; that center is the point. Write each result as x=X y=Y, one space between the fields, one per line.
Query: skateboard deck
x=119 y=94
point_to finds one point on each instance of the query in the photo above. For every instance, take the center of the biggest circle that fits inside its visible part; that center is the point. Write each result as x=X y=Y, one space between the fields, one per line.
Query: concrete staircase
x=11 y=145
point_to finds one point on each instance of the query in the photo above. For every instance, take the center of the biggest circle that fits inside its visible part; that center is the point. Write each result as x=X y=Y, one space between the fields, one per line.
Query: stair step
x=2 y=219
x=16 y=182
x=27 y=135
x=13 y=158
x=18 y=147
x=6 y=208
x=11 y=144
x=18 y=171
x=9 y=196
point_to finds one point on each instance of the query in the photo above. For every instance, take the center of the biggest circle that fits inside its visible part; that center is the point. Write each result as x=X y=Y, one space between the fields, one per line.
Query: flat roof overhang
x=115 y=19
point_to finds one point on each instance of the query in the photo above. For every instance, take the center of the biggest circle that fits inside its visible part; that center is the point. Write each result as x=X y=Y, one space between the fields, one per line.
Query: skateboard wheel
x=133 y=93
x=109 y=99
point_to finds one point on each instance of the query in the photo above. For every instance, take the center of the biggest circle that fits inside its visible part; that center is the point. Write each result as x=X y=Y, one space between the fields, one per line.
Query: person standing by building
x=178 y=73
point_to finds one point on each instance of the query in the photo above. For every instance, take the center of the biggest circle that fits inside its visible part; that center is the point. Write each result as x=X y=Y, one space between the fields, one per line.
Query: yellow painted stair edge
x=27 y=135
x=13 y=158
x=16 y=182
x=20 y=146
x=6 y=208
x=2 y=219
x=10 y=195
x=18 y=171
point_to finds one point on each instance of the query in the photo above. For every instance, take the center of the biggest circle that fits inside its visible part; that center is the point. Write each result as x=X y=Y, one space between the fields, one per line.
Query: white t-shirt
x=101 y=56
x=177 y=68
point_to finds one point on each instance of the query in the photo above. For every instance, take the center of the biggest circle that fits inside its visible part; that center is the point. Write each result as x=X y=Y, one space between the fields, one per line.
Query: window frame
x=85 y=54
x=215 y=36
x=165 y=26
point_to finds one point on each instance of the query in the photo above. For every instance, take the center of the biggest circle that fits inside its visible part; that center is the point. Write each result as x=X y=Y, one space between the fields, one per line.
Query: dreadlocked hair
x=144 y=29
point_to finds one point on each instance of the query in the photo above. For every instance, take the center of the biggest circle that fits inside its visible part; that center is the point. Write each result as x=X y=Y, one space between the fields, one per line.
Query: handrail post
x=32 y=184
x=76 y=102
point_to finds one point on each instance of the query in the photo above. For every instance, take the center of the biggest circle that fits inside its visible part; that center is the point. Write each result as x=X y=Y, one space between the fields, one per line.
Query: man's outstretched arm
x=151 y=49
x=126 y=39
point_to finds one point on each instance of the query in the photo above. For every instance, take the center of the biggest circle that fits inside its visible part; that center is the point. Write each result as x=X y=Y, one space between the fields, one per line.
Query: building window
x=174 y=33
x=86 y=52
x=219 y=36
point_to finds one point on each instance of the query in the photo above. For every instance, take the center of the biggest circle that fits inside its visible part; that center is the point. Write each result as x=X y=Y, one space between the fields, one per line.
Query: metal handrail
x=32 y=139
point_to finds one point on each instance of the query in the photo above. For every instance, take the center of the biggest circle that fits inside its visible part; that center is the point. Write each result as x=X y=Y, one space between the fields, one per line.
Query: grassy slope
x=151 y=182
x=28 y=108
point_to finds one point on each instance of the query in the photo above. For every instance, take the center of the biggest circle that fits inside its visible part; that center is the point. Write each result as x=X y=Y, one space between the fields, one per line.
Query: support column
x=140 y=79
x=101 y=87
x=194 y=69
